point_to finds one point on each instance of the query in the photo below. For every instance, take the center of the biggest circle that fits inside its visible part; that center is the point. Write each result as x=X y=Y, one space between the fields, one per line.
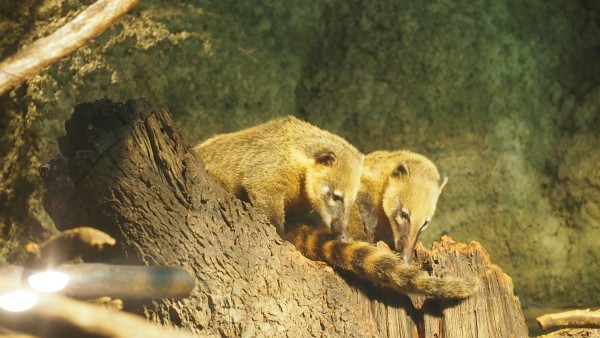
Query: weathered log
x=494 y=312
x=126 y=169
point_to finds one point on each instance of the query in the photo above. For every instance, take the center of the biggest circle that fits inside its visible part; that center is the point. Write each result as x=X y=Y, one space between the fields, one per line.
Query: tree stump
x=126 y=169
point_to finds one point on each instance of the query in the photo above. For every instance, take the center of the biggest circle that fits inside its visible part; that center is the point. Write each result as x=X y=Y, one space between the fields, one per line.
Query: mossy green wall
x=502 y=95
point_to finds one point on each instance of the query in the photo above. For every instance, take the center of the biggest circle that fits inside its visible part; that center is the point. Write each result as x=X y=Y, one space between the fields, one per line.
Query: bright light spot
x=17 y=301
x=48 y=281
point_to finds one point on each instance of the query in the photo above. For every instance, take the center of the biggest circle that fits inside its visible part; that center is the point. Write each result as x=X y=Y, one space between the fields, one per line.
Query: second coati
x=396 y=201
x=288 y=168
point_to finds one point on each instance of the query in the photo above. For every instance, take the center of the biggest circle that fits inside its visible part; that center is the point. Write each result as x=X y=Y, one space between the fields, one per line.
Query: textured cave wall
x=489 y=90
x=503 y=96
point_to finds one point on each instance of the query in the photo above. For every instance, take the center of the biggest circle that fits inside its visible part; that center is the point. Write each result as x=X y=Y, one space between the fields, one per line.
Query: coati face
x=332 y=183
x=409 y=202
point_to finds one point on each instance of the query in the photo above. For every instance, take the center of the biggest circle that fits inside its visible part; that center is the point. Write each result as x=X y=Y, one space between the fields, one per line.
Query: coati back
x=397 y=199
x=287 y=167
x=380 y=266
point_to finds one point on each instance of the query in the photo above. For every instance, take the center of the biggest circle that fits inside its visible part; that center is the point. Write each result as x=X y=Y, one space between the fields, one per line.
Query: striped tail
x=382 y=267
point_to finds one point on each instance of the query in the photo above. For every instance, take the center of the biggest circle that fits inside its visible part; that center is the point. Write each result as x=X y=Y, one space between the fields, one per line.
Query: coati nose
x=406 y=251
x=340 y=229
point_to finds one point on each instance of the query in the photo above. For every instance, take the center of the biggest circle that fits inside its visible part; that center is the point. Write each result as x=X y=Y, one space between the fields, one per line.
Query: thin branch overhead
x=90 y=23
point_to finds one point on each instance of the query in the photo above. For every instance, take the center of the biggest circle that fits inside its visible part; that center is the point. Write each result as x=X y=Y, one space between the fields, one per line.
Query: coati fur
x=288 y=168
x=395 y=203
x=380 y=266
x=397 y=199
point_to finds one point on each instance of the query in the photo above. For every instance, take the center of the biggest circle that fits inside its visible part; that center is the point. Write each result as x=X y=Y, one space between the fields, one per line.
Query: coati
x=287 y=167
x=397 y=199
x=380 y=266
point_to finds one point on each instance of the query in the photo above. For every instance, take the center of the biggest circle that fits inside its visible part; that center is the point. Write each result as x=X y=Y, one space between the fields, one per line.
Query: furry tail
x=379 y=266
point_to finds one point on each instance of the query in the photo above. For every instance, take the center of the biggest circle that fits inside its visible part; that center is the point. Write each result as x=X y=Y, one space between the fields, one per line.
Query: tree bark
x=127 y=170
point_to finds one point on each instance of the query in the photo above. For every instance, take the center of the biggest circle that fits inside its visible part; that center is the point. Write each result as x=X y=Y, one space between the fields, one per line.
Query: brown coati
x=397 y=199
x=288 y=167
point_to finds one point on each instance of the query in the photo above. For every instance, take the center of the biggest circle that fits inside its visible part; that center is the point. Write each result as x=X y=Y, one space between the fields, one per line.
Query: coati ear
x=442 y=182
x=326 y=158
x=401 y=169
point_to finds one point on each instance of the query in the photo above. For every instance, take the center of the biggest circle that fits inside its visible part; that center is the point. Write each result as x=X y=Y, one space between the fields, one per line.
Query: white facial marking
x=399 y=220
x=426 y=224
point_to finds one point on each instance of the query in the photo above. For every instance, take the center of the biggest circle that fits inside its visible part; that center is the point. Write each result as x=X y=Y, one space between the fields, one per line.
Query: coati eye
x=337 y=197
x=404 y=215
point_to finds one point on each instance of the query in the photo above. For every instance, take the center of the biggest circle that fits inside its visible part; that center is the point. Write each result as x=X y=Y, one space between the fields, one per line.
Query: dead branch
x=574 y=318
x=88 y=24
x=66 y=246
x=58 y=316
x=15 y=335
x=117 y=281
